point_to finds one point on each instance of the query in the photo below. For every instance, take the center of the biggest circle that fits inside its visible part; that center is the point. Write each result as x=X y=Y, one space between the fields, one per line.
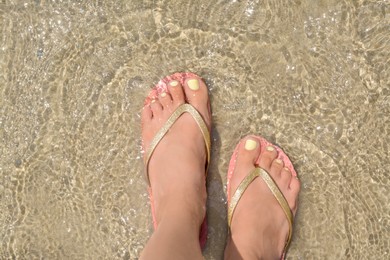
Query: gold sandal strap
x=275 y=191
x=239 y=192
x=282 y=201
x=165 y=128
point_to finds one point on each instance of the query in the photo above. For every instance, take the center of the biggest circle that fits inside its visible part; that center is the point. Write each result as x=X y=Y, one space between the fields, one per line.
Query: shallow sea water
x=310 y=76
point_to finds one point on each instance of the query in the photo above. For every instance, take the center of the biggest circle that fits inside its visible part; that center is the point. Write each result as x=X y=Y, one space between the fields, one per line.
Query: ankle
x=183 y=206
x=175 y=228
x=254 y=242
x=238 y=250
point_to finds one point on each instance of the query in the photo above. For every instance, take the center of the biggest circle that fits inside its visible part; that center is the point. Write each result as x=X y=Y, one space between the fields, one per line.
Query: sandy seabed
x=310 y=76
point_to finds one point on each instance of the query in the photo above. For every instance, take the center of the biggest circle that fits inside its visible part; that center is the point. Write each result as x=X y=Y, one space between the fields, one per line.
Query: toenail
x=163 y=94
x=153 y=100
x=270 y=148
x=286 y=169
x=278 y=161
x=173 y=83
x=250 y=145
x=193 y=84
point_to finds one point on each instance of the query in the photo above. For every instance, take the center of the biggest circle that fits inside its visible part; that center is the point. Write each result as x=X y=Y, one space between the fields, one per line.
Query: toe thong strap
x=185 y=108
x=275 y=191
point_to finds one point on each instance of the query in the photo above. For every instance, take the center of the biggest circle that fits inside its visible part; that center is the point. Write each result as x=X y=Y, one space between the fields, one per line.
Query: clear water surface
x=310 y=76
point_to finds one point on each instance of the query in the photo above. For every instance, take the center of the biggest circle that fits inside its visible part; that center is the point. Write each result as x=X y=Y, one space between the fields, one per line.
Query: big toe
x=244 y=160
x=196 y=93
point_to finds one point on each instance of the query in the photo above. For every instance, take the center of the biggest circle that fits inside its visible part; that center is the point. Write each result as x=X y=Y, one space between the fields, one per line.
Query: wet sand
x=310 y=76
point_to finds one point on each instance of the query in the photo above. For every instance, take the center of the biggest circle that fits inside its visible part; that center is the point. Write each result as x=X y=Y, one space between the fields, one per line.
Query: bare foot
x=259 y=227
x=177 y=166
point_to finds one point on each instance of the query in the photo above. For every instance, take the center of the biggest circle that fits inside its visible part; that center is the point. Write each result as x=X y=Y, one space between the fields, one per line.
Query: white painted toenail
x=163 y=94
x=250 y=145
x=286 y=169
x=270 y=148
x=173 y=83
x=278 y=161
x=153 y=100
x=193 y=84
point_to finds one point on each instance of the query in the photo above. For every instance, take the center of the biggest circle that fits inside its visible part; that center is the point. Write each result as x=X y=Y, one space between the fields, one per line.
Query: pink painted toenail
x=250 y=145
x=193 y=84
x=270 y=148
x=173 y=83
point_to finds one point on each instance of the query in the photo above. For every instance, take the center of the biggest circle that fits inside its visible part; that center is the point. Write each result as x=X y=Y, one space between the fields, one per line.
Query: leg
x=176 y=237
x=177 y=171
x=259 y=227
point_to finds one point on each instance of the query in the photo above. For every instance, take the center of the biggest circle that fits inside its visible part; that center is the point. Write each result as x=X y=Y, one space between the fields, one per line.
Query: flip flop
x=162 y=86
x=259 y=172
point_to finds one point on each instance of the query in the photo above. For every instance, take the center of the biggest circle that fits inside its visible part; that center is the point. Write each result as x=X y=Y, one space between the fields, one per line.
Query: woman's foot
x=176 y=169
x=259 y=227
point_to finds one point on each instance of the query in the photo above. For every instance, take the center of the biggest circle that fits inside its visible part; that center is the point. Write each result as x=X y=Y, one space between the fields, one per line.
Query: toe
x=295 y=186
x=165 y=100
x=267 y=157
x=176 y=91
x=197 y=95
x=276 y=167
x=247 y=154
x=292 y=199
x=249 y=151
x=156 y=108
x=285 y=177
x=146 y=114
